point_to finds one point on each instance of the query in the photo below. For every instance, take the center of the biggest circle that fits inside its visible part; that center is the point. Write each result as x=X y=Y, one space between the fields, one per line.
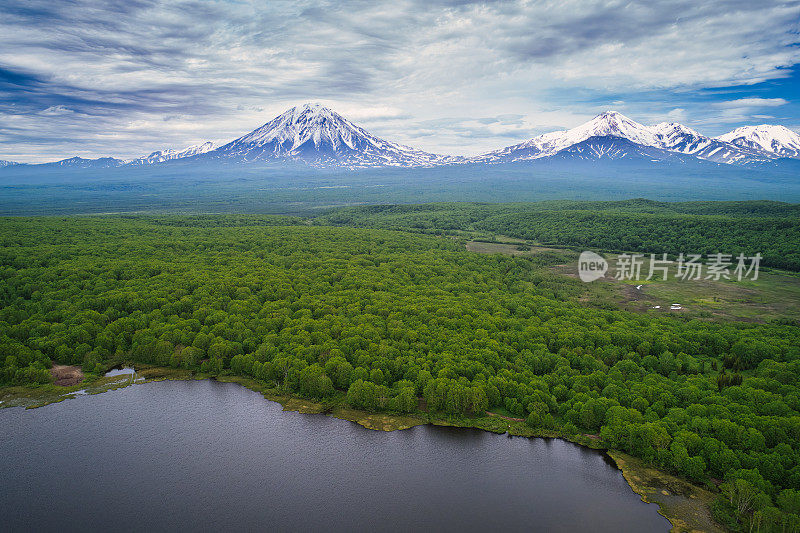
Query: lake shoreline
x=684 y=505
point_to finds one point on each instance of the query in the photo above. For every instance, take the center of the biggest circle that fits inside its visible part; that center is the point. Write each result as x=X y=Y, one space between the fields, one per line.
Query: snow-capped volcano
x=169 y=154
x=608 y=124
x=316 y=135
x=664 y=137
x=777 y=140
x=678 y=138
x=612 y=124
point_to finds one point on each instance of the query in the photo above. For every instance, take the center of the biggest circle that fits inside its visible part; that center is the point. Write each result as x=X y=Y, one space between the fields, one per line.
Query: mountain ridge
x=169 y=154
x=314 y=135
x=672 y=137
x=777 y=139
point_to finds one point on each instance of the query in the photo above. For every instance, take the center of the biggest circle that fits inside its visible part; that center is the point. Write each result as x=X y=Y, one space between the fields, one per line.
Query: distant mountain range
x=79 y=162
x=317 y=136
x=611 y=135
x=777 y=140
x=168 y=155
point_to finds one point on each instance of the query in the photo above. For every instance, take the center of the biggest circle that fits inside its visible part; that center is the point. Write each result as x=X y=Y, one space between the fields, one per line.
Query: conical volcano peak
x=312 y=106
x=611 y=115
x=310 y=111
x=317 y=135
x=611 y=119
x=612 y=124
x=307 y=122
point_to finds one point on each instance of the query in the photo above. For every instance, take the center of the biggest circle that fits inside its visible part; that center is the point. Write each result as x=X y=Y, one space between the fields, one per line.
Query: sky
x=124 y=78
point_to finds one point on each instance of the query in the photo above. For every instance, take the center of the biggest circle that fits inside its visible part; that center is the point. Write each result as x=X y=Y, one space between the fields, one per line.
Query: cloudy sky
x=126 y=77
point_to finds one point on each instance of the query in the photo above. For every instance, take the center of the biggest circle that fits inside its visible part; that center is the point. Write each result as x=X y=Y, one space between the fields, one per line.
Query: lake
x=205 y=455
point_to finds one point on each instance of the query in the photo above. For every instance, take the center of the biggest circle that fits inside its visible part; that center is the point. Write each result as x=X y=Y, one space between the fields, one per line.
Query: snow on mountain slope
x=612 y=124
x=777 y=140
x=608 y=124
x=678 y=138
x=669 y=137
x=4 y=163
x=318 y=136
x=169 y=154
x=79 y=162
x=619 y=149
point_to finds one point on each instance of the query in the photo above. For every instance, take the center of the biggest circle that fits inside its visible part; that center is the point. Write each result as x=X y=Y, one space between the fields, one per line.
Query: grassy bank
x=685 y=505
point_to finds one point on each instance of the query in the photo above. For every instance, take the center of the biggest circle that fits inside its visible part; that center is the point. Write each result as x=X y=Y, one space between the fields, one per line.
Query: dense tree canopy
x=769 y=228
x=394 y=321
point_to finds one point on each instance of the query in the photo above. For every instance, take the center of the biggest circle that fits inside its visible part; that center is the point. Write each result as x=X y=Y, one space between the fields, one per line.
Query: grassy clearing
x=507 y=248
x=775 y=295
x=686 y=506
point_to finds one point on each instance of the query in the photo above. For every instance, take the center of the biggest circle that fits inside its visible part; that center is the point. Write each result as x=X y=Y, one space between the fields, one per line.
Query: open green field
x=775 y=295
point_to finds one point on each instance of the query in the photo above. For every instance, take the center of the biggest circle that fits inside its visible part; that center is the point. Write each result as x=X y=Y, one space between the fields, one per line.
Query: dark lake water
x=203 y=455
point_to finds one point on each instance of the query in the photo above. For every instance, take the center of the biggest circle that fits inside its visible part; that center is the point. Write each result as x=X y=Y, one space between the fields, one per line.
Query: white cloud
x=149 y=74
x=750 y=102
x=57 y=110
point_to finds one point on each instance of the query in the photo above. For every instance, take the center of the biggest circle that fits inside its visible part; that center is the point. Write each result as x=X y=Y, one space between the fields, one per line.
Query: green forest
x=771 y=228
x=400 y=321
